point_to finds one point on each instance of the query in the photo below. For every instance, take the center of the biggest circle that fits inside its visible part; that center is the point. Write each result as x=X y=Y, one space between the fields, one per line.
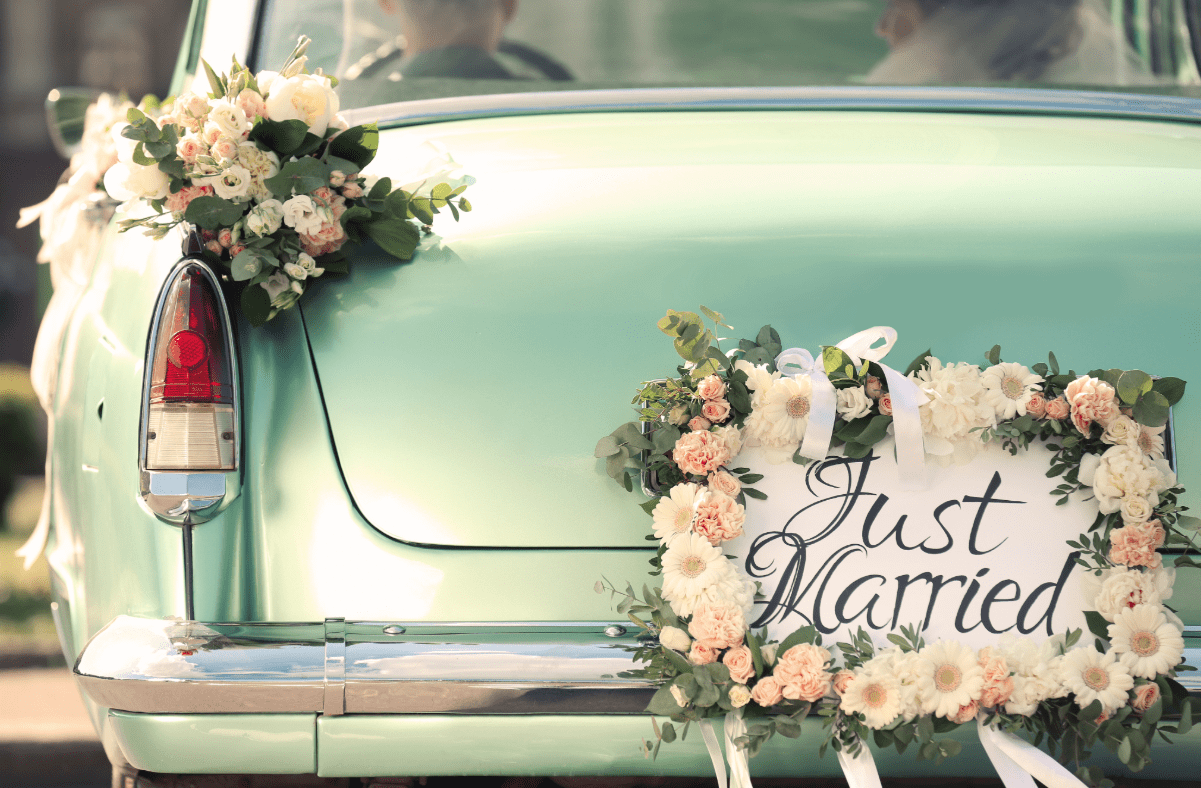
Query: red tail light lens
x=191 y=424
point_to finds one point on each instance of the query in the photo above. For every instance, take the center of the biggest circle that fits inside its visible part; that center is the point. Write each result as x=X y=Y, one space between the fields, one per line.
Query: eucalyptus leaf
x=1133 y=384
x=1171 y=388
x=397 y=237
x=212 y=212
x=1152 y=409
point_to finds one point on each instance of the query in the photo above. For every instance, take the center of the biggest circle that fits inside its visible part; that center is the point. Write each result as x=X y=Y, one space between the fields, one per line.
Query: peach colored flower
x=179 y=202
x=700 y=453
x=1036 y=406
x=225 y=237
x=1145 y=696
x=337 y=178
x=998 y=684
x=803 y=670
x=701 y=655
x=717 y=626
x=841 y=679
x=872 y=387
x=236 y=250
x=740 y=663
x=1091 y=400
x=725 y=483
x=699 y=424
x=716 y=411
x=719 y=518
x=189 y=148
x=1058 y=409
x=966 y=713
x=352 y=190
x=252 y=104
x=886 y=405
x=225 y=148
x=215 y=248
x=711 y=388
x=1136 y=544
x=768 y=691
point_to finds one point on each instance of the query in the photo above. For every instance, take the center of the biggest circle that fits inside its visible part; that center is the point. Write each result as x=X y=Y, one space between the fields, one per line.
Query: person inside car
x=452 y=38
x=983 y=41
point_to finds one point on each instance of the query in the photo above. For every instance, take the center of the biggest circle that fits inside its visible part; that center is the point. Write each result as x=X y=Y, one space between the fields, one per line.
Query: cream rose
x=229 y=118
x=853 y=403
x=675 y=638
x=1135 y=509
x=1122 y=431
x=305 y=97
x=739 y=696
x=301 y=214
x=716 y=411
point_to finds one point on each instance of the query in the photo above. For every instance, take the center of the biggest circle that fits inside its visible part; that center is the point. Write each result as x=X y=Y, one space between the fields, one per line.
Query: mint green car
x=393 y=573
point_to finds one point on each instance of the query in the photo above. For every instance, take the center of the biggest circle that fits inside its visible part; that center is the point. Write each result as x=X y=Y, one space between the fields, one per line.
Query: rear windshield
x=384 y=51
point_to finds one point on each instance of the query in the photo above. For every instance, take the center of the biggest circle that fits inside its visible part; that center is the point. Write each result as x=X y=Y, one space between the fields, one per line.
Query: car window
x=384 y=51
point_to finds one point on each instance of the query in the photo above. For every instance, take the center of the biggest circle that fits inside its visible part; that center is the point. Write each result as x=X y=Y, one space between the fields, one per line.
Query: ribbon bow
x=905 y=395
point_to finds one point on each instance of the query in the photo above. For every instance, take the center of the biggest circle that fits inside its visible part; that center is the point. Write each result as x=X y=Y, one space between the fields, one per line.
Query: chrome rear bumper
x=339 y=667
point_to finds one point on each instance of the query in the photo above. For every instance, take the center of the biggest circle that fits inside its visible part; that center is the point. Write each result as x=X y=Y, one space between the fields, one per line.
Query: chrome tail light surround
x=190 y=427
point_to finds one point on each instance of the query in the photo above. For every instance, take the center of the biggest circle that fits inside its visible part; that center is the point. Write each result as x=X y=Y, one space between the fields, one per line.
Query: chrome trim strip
x=932 y=99
x=334 y=702
x=335 y=667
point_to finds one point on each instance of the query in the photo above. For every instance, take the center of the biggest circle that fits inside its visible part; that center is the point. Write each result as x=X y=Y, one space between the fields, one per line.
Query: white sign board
x=979 y=553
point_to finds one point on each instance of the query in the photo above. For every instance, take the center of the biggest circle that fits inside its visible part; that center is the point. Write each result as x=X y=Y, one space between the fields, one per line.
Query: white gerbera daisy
x=951 y=678
x=1008 y=388
x=786 y=411
x=876 y=695
x=1090 y=675
x=1148 y=644
x=691 y=568
x=675 y=511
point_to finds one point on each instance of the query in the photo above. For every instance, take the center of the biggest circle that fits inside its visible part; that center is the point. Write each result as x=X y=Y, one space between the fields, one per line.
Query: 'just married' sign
x=980 y=552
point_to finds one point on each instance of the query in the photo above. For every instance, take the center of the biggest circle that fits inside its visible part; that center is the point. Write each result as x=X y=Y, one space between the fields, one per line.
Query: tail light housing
x=190 y=408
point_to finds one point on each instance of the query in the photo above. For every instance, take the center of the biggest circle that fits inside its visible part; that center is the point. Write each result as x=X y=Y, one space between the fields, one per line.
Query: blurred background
x=110 y=45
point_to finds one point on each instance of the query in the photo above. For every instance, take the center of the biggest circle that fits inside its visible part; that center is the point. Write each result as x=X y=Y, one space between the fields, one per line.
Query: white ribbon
x=740 y=773
x=1019 y=763
x=860 y=770
x=904 y=393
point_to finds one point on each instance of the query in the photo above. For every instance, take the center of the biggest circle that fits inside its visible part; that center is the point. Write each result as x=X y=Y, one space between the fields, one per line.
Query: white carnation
x=853 y=403
x=1124 y=471
x=957 y=409
x=1121 y=588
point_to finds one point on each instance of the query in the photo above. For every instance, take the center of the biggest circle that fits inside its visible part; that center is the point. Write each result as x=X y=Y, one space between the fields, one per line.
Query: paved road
x=46 y=738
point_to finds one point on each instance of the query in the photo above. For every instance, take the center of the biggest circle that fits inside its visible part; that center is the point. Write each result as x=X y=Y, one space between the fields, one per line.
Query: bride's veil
x=1034 y=41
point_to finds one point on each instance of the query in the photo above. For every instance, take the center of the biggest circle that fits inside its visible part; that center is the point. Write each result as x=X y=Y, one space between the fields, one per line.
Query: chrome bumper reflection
x=339 y=667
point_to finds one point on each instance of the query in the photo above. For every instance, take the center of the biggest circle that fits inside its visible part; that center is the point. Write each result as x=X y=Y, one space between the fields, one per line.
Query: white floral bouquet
x=272 y=178
x=1105 y=434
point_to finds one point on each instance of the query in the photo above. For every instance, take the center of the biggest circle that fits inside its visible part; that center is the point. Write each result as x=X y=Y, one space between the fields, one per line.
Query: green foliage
x=212 y=213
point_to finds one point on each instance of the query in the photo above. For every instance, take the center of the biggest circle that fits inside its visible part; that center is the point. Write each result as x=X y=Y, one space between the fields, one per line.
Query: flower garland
x=272 y=176
x=1105 y=433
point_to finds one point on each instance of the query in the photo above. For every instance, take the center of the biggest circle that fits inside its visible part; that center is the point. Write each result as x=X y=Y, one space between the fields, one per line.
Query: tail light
x=190 y=430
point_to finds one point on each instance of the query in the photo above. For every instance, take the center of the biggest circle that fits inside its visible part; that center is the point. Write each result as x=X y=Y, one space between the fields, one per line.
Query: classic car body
x=400 y=579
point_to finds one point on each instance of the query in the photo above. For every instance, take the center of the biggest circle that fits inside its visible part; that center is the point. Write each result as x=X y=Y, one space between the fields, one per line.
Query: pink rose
x=886 y=405
x=716 y=626
x=252 y=104
x=189 y=148
x=966 y=713
x=740 y=663
x=700 y=453
x=315 y=249
x=802 y=669
x=768 y=691
x=724 y=483
x=225 y=237
x=699 y=424
x=719 y=518
x=225 y=148
x=1058 y=409
x=1091 y=400
x=711 y=388
x=215 y=248
x=701 y=655
x=337 y=178
x=1145 y=696
x=1135 y=544
x=841 y=680
x=1036 y=406
x=236 y=250
x=872 y=387
x=211 y=133
x=716 y=411
x=352 y=190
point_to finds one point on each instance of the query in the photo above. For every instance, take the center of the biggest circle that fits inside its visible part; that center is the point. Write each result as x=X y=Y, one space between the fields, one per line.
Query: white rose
x=232 y=184
x=678 y=694
x=309 y=265
x=301 y=215
x=265 y=218
x=303 y=97
x=229 y=118
x=225 y=149
x=1135 y=509
x=295 y=271
x=768 y=653
x=130 y=181
x=853 y=403
x=675 y=638
x=1122 y=431
x=276 y=285
x=739 y=696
